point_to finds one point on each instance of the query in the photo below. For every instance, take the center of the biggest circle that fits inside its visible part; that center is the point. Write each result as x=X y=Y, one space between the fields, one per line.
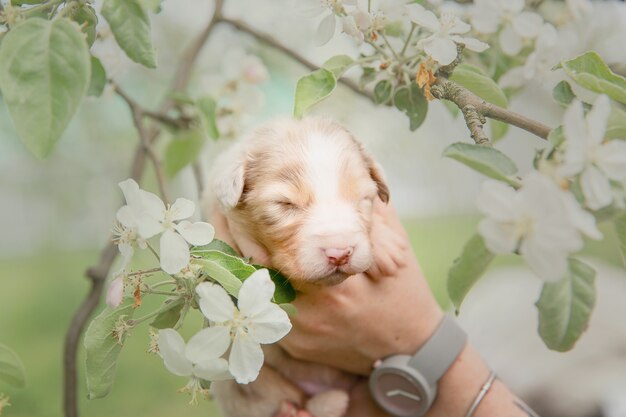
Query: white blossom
x=487 y=16
x=441 y=44
x=191 y=360
x=126 y=234
x=541 y=221
x=153 y=218
x=579 y=8
x=587 y=154
x=538 y=63
x=254 y=321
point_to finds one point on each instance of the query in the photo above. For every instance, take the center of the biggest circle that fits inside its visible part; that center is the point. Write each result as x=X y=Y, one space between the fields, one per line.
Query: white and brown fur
x=296 y=193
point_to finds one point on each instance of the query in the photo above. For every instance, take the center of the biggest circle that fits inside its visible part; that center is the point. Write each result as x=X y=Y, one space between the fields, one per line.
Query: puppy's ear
x=377 y=174
x=228 y=177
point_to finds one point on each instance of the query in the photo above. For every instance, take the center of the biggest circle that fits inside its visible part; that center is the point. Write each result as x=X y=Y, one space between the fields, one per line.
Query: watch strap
x=440 y=350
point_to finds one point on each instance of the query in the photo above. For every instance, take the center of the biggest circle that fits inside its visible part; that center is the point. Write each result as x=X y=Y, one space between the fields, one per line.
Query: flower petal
x=442 y=50
x=269 y=324
x=130 y=188
x=513 y=78
x=246 y=358
x=174 y=252
x=423 y=17
x=152 y=205
x=574 y=130
x=209 y=343
x=527 y=24
x=256 y=292
x=497 y=200
x=597 y=119
x=182 y=209
x=499 y=237
x=148 y=227
x=126 y=216
x=172 y=350
x=581 y=219
x=510 y=41
x=215 y=303
x=212 y=370
x=471 y=43
x=596 y=188
x=611 y=158
x=127 y=251
x=325 y=30
x=485 y=19
x=198 y=233
x=115 y=293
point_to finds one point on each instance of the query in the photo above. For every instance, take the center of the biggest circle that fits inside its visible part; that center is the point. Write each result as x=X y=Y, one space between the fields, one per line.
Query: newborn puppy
x=298 y=196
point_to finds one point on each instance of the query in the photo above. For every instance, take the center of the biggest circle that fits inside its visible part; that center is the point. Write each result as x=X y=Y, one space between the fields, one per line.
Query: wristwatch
x=406 y=386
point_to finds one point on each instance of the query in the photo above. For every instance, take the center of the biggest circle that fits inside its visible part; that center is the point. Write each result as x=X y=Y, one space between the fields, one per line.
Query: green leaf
x=563 y=94
x=556 y=136
x=382 y=91
x=152 y=5
x=169 y=314
x=467 y=269
x=590 y=71
x=11 y=368
x=102 y=348
x=484 y=87
x=616 y=125
x=44 y=76
x=131 y=27
x=21 y=2
x=207 y=107
x=312 y=89
x=488 y=161
x=289 y=308
x=229 y=271
x=86 y=18
x=565 y=306
x=620 y=230
x=338 y=65
x=369 y=75
x=98 y=78
x=215 y=244
x=284 y=292
x=182 y=150
x=412 y=102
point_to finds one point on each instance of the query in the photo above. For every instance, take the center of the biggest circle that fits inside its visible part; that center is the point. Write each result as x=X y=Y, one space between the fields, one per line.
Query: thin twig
x=462 y=97
x=98 y=274
x=137 y=114
x=175 y=122
x=268 y=40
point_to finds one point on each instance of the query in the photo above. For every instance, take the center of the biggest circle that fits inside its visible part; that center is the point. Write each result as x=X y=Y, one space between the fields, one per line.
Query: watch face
x=399 y=393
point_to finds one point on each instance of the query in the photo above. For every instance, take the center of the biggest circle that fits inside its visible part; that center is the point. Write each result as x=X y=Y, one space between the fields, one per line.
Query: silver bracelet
x=481 y=394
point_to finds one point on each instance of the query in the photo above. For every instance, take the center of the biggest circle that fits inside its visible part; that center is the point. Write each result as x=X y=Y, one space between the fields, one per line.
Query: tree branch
x=98 y=273
x=445 y=89
x=137 y=114
x=273 y=43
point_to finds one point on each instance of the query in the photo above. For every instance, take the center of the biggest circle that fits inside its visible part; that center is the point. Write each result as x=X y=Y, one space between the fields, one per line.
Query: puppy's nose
x=338 y=256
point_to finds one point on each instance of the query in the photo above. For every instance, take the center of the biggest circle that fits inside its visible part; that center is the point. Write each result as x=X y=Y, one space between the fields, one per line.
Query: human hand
x=388 y=310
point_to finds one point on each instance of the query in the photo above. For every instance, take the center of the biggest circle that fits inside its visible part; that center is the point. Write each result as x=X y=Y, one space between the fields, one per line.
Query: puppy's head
x=303 y=191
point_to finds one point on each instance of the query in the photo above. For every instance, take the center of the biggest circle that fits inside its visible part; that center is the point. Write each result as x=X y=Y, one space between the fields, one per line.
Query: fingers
x=222 y=231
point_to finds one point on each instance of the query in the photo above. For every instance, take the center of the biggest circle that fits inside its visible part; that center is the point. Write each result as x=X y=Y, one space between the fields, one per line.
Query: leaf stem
x=153 y=251
x=393 y=51
x=41 y=7
x=147 y=271
x=408 y=39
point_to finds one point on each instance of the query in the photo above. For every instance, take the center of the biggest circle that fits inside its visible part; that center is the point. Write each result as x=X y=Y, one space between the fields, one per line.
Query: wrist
x=459 y=386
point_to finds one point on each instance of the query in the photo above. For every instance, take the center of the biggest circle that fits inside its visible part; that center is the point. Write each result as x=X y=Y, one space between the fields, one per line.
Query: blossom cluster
x=236 y=330
x=235 y=89
x=544 y=220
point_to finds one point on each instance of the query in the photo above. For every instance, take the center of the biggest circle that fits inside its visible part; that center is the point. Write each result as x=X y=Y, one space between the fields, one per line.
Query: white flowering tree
x=474 y=56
